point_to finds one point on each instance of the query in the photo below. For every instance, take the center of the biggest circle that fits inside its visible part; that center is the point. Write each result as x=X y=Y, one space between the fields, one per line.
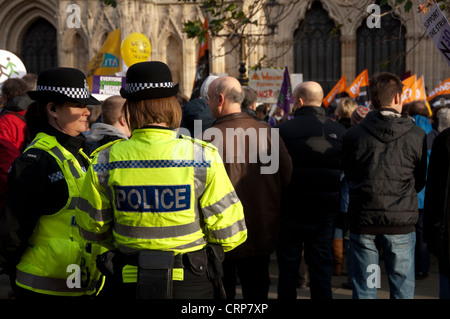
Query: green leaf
x=194 y=29
x=112 y=3
x=408 y=5
x=231 y=7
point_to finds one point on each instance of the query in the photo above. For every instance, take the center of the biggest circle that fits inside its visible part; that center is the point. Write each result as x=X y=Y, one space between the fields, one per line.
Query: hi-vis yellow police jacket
x=159 y=192
x=56 y=243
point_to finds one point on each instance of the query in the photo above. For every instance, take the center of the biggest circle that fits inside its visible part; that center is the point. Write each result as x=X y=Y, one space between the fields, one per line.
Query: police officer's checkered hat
x=148 y=80
x=62 y=84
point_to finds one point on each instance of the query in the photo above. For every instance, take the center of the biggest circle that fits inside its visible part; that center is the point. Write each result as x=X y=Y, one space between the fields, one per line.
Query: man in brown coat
x=258 y=165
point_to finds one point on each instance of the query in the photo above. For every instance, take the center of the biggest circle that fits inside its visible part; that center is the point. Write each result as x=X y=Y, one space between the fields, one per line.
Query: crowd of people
x=151 y=198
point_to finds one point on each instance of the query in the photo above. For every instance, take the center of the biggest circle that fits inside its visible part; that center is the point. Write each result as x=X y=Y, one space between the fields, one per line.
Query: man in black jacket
x=311 y=203
x=385 y=162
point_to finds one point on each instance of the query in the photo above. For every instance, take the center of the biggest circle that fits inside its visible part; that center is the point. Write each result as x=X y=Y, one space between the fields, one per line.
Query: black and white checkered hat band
x=74 y=93
x=135 y=87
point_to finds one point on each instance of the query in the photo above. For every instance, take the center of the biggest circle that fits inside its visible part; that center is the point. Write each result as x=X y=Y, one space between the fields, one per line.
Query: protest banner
x=440 y=95
x=267 y=83
x=437 y=27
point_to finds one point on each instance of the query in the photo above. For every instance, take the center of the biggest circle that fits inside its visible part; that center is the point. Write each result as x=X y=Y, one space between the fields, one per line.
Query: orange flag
x=441 y=91
x=421 y=94
x=338 y=88
x=202 y=71
x=360 y=81
x=409 y=89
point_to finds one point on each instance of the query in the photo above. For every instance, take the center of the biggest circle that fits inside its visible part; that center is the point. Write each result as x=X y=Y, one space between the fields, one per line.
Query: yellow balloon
x=135 y=48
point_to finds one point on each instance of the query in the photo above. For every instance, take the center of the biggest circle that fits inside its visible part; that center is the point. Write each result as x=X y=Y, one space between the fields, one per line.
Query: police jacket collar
x=157 y=126
x=18 y=104
x=71 y=143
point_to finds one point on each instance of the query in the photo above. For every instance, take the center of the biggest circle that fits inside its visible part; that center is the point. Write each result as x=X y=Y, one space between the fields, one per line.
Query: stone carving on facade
x=162 y=22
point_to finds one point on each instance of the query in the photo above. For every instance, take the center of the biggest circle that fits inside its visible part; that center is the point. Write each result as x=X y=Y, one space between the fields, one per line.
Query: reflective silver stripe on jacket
x=157 y=232
x=221 y=205
x=103 y=167
x=90 y=236
x=198 y=242
x=99 y=215
x=73 y=203
x=55 y=150
x=103 y=176
x=200 y=175
x=229 y=231
x=50 y=284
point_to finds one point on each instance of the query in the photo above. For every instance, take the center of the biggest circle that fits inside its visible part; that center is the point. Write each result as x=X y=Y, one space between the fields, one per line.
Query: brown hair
x=382 y=89
x=112 y=109
x=152 y=111
x=416 y=108
x=14 y=87
x=37 y=117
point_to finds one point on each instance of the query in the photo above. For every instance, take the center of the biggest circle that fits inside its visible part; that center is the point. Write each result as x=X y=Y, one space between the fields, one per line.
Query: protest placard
x=107 y=85
x=267 y=83
x=438 y=29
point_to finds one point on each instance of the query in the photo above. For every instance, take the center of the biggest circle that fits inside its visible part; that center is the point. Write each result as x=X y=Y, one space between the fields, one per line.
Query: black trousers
x=253 y=273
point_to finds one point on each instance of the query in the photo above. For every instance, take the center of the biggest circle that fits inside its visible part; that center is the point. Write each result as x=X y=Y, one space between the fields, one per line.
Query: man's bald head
x=230 y=88
x=225 y=95
x=308 y=94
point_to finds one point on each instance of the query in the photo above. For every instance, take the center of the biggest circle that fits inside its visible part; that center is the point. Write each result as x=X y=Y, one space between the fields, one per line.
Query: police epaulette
x=33 y=154
x=198 y=141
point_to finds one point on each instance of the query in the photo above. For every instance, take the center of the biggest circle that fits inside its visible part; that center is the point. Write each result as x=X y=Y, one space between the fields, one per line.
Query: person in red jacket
x=13 y=132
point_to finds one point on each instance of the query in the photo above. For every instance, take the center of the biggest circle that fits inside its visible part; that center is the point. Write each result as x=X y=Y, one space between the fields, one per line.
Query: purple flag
x=285 y=98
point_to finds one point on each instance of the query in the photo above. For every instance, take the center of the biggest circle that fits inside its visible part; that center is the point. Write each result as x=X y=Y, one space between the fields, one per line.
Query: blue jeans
x=398 y=252
x=316 y=238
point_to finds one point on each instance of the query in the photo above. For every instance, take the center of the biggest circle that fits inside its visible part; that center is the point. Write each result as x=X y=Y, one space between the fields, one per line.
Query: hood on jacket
x=99 y=130
x=18 y=104
x=423 y=122
x=388 y=127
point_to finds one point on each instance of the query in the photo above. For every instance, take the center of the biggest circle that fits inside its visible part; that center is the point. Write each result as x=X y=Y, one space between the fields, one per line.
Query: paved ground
x=425 y=289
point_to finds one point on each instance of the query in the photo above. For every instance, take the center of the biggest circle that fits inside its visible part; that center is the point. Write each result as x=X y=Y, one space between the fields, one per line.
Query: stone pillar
x=348 y=57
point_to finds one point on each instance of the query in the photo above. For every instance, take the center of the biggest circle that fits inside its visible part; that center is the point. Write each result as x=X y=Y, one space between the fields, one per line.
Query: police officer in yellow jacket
x=163 y=204
x=40 y=245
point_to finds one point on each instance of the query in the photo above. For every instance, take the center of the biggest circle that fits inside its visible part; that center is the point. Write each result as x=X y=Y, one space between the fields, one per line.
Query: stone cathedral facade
x=322 y=39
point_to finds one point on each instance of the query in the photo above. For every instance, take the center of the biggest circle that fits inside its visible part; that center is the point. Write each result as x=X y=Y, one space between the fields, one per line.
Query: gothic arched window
x=39 y=50
x=317 y=48
x=381 y=49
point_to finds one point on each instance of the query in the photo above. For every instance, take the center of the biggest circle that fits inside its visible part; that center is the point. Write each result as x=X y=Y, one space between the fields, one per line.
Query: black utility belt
x=154 y=271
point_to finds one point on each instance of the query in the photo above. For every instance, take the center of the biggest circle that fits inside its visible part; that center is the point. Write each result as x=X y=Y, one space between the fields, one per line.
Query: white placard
x=10 y=66
x=438 y=29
